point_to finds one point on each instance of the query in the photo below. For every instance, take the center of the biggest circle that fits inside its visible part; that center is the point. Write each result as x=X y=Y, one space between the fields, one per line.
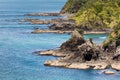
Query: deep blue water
x=17 y=61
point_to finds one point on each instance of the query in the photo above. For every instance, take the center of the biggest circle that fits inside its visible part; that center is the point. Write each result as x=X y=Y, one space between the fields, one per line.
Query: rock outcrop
x=72 y=44
x=77 y=53
x=43 y=14
x=63 y=26
x=37 y=31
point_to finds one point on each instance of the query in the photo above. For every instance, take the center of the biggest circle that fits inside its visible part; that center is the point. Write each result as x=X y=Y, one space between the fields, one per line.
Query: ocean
x=17 y=44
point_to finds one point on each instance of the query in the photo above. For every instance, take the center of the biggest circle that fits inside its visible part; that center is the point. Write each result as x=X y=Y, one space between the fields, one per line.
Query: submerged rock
x=109 y=72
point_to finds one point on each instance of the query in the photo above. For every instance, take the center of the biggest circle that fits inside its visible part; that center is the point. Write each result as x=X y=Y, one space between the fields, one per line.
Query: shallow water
x=17 y=61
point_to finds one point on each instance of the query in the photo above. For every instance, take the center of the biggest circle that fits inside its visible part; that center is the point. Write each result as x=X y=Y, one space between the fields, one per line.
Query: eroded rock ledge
x=78 y=53
x=43 y=14
x=38 y=31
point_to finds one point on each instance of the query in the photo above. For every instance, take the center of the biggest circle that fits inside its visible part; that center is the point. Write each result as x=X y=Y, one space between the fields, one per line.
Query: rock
x=62 y=26
x=115 y=66
x=72 y=44
x=53 y=53
x=78 y=54
x=78 y=66
x=108 y=72
x=43 y=14
x=99 y=65
x=38 y=31
x=56 y=63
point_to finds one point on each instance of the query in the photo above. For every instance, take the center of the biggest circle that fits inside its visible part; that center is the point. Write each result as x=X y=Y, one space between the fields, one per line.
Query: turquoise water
x=17 y=61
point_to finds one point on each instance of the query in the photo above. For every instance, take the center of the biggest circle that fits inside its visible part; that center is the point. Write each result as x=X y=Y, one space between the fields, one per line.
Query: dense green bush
x=114 y=38
x=94 y=13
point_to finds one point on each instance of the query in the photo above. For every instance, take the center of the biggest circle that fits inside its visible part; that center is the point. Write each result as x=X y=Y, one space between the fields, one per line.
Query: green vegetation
x=114 y=39
x=72 y=6
x=99 y=14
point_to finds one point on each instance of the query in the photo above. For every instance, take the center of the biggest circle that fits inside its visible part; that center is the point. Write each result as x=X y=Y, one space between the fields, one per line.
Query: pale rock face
x=79 y=66
x=53 y=53
x=56 y=63
x=99 y=65
x=116 y=66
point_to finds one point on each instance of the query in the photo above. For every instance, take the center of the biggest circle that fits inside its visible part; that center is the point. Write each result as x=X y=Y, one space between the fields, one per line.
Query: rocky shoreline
x=59 y=25
x=77 y=53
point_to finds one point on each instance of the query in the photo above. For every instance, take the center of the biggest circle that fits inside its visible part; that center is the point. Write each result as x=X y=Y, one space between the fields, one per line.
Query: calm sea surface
x=17 y=61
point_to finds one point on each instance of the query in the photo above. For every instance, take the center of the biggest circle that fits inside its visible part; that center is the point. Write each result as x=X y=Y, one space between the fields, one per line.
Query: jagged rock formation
x=83 y=50
x=78 y=53
x=73 y=42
